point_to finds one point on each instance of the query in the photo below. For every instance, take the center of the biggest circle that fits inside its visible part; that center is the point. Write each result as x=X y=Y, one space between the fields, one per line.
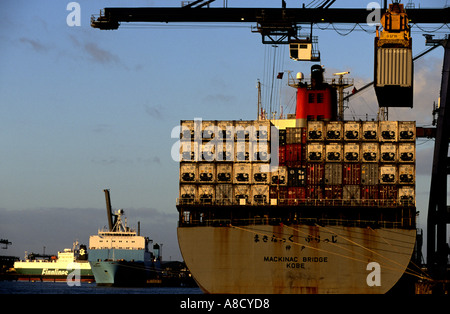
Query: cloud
x=427 y=80
x=221 y=98
x=95 y=53
x=100 y=55
x=37 y=46
x=154 y=111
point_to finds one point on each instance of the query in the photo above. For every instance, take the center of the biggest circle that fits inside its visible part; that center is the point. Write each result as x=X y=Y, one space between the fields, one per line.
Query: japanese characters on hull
x=357 y=163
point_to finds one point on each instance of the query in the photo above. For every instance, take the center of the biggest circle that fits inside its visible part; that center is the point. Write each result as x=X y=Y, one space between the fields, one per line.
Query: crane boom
x=112 y=17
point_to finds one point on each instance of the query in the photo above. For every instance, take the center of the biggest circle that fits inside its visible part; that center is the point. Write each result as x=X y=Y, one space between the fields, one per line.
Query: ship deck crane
x=281 y=26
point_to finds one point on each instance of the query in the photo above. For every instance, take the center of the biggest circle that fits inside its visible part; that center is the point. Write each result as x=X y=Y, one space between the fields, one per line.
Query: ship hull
x=50 y=271
x=120 y=273
x=296 y=259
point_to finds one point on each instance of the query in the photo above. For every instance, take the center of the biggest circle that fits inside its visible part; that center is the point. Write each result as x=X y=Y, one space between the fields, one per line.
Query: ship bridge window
x=311 y=98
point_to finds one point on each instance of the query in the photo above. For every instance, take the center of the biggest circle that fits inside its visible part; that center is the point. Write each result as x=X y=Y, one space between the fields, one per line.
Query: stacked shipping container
x=329 y=163
x=225 y=163
x=367 y=163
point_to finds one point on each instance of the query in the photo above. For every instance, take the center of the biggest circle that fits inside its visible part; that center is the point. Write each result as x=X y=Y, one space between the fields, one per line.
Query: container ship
x=119 y=255
x=56 y=268
x=307 y=204
x=335 y=212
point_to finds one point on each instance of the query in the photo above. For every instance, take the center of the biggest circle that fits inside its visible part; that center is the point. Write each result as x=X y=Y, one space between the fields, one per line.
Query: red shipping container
x=293 y=152
x=293 y=155
x=333 y=192
x=303 y=136
x=315 y=174
x=369 y=192
x=282 y=155
x=388 y=192
x=280 y=193
x=351 y=174
x=296 y=195
x=314 y=192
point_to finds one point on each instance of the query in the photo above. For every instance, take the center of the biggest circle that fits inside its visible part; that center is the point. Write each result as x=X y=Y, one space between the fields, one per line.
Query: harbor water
x=25 y=287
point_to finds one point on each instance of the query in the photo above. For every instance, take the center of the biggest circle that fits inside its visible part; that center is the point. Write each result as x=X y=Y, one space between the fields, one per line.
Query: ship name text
x=54 y=272
x=295 y=261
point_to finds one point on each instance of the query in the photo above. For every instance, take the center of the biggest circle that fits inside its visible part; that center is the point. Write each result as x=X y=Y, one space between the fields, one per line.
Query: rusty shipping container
x=351 y=173
x=369 y=174
x=333 y=192
x=224 y=194
x=315 y=174
x=333 y=173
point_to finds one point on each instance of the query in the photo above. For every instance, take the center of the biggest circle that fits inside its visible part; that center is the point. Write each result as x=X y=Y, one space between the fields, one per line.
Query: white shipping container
x=206 y=193
x=242 y=151
x=369 y=152
x=406 y=174
x=334 y=130
x=260 y=173
x=351 y=152
x=370 y=131
x=333 y=152
x=243 y=130
x=209 y=130
x=352 y=130
x=207 y=172
x=279 y=177
x=242 y=194
x=315 y=152
x=208 y=151
x=188 y=172
x=242 y=173
x=406 y=152
x=189 y=150
x=194 y=127
x=315 y=131
x=260 y=194
x=388 y=131
x=407 y=194
x=260 y=151
x=261 y=130
x=388 y=152
x=225 y=130
x=407 y=130
x=224 y=172
x=225 y=151
x=188 y=194
x=388 y=174
x=187 y=130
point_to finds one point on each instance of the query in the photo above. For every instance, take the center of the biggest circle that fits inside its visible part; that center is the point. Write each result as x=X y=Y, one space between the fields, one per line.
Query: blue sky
x=83 y=110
